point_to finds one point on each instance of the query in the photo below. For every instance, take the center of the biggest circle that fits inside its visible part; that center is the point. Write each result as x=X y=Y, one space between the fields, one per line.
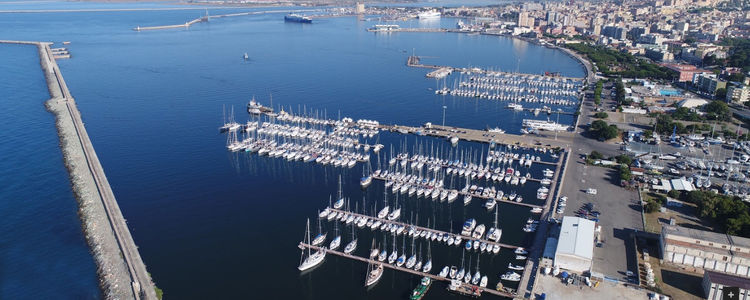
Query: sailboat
x=394 y=254
x=366 y=179
x=352 y=245
x=374 y=272
x=402 y=259
x=312 y=259
x=336 y=242
x=462 y=271
x=477 y=275
x=413 y=258
x=321 y=237
x=495 y=233
x=428 y=265
x=340 y=202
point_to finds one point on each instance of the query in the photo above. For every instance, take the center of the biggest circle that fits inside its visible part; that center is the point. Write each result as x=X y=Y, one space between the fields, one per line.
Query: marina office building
x=699 y=250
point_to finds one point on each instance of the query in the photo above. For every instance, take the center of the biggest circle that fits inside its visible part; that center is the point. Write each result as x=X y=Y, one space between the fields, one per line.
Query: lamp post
x=444 y=108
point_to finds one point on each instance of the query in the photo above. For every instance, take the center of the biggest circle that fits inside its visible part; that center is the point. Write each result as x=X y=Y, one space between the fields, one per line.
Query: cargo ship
x=297 y=18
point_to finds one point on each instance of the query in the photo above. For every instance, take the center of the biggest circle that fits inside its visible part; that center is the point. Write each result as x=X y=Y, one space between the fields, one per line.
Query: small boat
x=453 y=272
x=444 y=272
x=483 y=281
x=478 y=232
x=520 y=257
x=373 y=276
x=511 y=276
x=335 y=243
x=515 y=267
x=536 y=210
x=521 y=251
x=468 y=227
x=419 y=292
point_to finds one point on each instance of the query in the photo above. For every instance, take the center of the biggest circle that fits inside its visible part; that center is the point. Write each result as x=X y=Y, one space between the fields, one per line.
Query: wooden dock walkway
x=397 y=268
x=420 y=228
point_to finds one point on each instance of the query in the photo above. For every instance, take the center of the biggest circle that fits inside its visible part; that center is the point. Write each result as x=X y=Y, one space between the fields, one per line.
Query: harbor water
x=215 y=224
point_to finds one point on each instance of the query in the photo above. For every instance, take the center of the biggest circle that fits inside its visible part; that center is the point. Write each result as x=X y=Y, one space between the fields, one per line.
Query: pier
x=535 y=252
x=207 y=18
x=415 y=62
x=462 y=193
x=484 y=136
x=439 y=232
x=397 y=268
x=121 y=270
x=410 y=30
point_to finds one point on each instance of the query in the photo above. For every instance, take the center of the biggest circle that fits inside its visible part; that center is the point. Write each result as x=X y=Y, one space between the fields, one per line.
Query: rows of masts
x=424 y=175
x=304 y=138
x=516 y=88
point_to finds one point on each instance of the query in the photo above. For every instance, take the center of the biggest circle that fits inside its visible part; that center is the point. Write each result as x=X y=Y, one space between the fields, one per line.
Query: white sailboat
x=311 y=259
x=352 y=245
x=321 y=237
x=428 y=265
x=336 y=242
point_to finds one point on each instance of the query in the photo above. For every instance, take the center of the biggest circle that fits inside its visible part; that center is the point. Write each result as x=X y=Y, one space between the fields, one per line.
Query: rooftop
x=576 y=237
x=706 y=236
x=728 y=280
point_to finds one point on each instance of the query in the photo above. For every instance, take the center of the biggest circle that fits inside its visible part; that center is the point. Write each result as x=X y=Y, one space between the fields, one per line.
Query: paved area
x=556 y=290
x=620 y=213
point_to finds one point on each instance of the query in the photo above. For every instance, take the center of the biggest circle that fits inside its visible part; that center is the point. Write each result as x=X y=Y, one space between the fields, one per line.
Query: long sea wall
x=122 y=273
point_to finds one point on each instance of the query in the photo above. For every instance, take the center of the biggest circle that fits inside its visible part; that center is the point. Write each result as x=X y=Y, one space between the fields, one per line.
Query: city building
x=708 y=82
x=686 y=72
x=721 y=286
x=575 y=246
x=697 y=250
x=738 y=92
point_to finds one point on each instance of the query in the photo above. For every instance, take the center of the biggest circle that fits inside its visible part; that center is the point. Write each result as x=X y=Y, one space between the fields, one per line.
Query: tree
x=717 y=110
x=601 y=115
x=648 y=134
x=674 y=194
x=601 y=130
x=624 y=159
x=738 y=77
x=595 y=155
x=720 y=94
x=652 y=206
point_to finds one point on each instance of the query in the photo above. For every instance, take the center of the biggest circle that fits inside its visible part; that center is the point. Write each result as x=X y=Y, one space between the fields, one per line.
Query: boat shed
x=575 y=246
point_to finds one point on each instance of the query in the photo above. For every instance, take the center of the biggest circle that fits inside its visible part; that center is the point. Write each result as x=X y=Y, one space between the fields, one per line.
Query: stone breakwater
x=122 y=273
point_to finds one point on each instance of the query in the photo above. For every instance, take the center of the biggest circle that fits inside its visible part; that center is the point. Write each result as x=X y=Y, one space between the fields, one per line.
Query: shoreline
x=121 y=272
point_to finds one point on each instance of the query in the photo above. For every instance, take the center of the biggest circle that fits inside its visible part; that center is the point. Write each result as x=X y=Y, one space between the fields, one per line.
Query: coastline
x=120 y=269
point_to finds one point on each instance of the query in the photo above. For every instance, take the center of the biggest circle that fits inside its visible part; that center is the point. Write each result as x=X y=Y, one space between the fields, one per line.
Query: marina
x=213 y=189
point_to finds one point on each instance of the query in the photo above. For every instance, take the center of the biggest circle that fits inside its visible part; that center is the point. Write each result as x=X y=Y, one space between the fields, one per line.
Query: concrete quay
x=122 y=273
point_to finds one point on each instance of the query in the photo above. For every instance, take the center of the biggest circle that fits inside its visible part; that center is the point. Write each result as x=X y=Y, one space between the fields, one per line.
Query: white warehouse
x=575 y=247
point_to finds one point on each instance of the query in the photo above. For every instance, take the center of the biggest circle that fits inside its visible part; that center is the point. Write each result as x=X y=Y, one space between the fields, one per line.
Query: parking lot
x=555 y=289
x=619 y=210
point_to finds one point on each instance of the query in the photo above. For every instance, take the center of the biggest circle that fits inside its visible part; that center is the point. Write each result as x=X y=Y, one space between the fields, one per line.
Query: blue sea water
x=43 y=254
x=211 y=224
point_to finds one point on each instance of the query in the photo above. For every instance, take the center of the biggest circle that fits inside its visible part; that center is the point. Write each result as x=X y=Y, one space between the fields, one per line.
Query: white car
x=591 y=191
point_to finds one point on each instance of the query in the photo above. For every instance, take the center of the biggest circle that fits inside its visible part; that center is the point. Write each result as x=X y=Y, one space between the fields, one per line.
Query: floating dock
x=397 y=268
x=415 y=61
x=439 y=232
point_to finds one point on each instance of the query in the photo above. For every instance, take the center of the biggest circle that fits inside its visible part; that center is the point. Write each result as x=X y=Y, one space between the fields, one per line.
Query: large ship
x=297 y=18
x=543 y=125
x=432 y=14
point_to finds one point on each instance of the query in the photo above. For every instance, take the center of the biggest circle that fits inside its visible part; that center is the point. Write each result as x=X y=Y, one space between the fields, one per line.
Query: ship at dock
x=297 y=18
x=432 y=14
x=255 y=108
x=547 y=125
